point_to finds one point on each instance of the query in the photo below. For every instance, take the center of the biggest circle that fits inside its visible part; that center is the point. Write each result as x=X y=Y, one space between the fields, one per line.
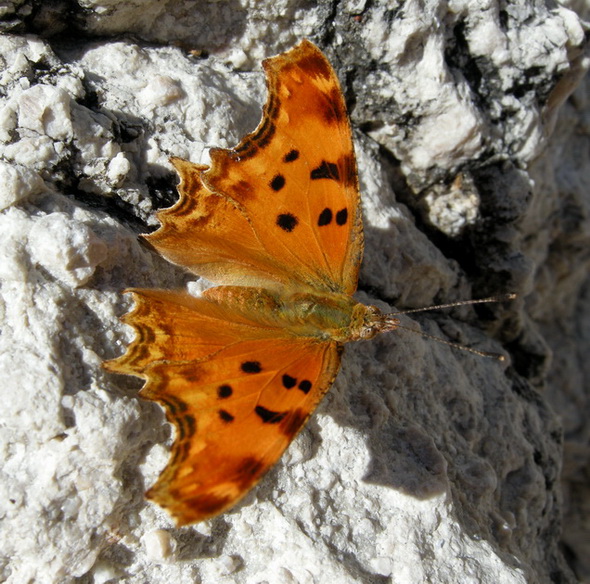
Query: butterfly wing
x=236 y=385
x=282 y=208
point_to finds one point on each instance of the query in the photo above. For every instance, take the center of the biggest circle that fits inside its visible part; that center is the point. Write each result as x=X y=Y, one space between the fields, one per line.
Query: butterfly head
x=369 y=321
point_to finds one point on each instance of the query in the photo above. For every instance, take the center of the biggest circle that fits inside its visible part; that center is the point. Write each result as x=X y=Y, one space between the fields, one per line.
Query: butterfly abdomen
x=326 y=316
x=323 y=316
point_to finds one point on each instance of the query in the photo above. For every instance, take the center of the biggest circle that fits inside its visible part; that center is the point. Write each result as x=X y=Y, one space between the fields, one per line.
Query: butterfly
x=276 y=223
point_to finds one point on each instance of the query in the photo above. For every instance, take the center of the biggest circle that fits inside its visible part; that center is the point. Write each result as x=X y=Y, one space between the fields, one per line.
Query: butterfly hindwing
x=236 y=390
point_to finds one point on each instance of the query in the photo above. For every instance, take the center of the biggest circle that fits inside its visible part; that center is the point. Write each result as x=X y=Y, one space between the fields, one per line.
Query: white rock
x=46 y=110
x=69 y=252
x=118 y=169
x=159 y=545
x=160 y=90
x=18 y=183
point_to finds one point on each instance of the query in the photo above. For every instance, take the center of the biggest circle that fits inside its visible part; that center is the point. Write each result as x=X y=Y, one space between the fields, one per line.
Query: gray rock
x=424 y=463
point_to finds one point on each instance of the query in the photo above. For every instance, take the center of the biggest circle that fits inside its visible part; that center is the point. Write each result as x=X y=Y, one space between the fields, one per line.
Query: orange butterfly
x=277 y=222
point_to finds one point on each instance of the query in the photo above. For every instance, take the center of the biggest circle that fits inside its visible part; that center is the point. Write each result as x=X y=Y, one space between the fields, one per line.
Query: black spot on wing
x=342 y=216
x=291 y=156
x=325 y=217
x=251 y=367
x=305 y=386
x=289 y=381
x=225 y=416
x=277 y=183
x=287 y=222
x=325 y=170
x=224 y=391
x=268 y=416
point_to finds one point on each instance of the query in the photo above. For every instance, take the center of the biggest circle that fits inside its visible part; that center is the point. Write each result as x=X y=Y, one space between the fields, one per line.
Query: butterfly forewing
x=282 y=207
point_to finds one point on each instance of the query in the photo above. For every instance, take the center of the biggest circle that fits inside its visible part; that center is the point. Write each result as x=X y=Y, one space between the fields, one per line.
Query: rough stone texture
x=424 y=464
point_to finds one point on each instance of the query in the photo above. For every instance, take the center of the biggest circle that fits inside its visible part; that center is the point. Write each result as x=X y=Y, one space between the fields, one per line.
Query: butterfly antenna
x=496 y=356
x=501 y=298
